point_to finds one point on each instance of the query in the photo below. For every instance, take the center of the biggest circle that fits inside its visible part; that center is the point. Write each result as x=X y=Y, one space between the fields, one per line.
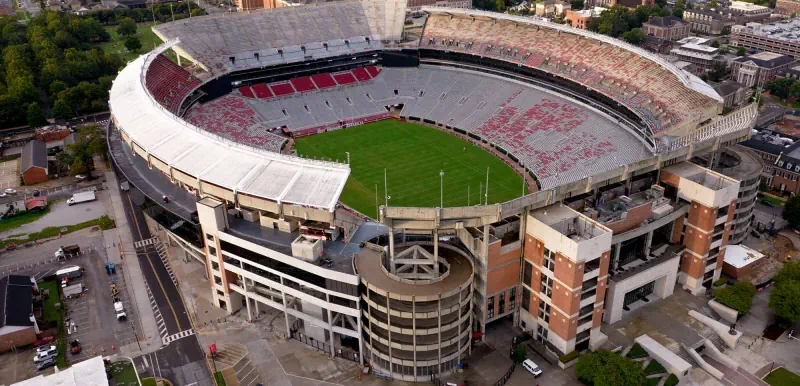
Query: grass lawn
x=220 y=379
x=782 y=377
x=21 y=219
x=104 y=223
x=777 y=202
x=123 y=373
x=149 y=382
x=117 y=44
x=413 y=155
x=51 y=314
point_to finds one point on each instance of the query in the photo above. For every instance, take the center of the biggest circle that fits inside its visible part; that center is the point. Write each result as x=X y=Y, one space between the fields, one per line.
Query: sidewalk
x=119 y=246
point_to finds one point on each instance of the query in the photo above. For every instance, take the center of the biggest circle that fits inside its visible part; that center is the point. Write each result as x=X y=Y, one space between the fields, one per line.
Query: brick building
x=581 y=19
x=780 y=38
x=756 y=70
x=667 y=27
x=18 y=327
x=33 y=163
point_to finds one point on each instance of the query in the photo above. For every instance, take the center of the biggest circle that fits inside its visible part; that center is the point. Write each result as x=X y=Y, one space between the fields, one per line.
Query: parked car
x=46 y=348
x=49 y=362
x=36 y=193
x=11 y=191
x=48 y=352
x=767 y=203
x=532 y=367
x=43 y=341
x=80 y=177
x=3 y=194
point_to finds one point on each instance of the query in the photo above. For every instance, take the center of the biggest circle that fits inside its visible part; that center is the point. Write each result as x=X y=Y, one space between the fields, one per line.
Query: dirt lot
x=9 y=174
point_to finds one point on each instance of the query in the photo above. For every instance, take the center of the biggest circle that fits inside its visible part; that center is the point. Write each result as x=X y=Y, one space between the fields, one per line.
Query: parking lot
x=93 y=313
x=9 y=174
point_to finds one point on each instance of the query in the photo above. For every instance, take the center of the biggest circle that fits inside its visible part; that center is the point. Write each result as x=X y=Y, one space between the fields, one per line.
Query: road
x=182 y=361
x=772 y=112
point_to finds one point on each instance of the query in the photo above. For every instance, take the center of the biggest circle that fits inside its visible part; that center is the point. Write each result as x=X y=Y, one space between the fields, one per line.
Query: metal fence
x=297 y=334
x=500 y=382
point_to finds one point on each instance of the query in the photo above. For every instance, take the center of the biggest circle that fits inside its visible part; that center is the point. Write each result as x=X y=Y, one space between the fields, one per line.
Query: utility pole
x=487 y=186
x=377 y=211
x=441 y=188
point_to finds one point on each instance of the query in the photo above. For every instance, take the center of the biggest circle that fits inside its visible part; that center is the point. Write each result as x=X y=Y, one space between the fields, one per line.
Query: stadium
x=394 y=182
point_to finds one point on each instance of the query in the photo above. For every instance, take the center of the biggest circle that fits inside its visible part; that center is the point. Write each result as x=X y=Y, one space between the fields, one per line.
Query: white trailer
x=78 y=198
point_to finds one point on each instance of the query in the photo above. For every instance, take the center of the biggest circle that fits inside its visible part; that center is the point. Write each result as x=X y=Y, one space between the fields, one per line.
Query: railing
x=341 y=352
x=500 y=382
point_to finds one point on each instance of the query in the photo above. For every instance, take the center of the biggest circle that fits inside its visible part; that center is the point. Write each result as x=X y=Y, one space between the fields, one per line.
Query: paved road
x=771 y=112
x=183 y=360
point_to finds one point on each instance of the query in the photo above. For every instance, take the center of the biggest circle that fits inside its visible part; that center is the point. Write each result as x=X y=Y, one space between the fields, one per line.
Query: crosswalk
x=162 y=327
x=174 y=337
x=144 y=243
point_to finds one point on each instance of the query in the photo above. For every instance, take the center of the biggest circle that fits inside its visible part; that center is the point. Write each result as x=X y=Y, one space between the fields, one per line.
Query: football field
x=413 y=156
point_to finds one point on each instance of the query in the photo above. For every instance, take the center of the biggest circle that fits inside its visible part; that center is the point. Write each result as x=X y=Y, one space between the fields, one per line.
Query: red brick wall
x=34 y=175
x=568 y=272
x=634 y=219
x=19 y=338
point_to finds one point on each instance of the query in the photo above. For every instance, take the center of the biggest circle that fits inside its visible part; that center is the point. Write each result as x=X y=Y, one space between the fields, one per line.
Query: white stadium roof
x=213 y=159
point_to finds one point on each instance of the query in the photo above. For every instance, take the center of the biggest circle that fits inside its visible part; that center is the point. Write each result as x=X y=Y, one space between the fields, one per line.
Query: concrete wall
x=726 y=313
x=673 y=363
x=665 y=275
x=16 y=336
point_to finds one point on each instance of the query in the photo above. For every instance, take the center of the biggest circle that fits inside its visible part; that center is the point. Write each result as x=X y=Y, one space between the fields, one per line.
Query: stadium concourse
x=601 y=125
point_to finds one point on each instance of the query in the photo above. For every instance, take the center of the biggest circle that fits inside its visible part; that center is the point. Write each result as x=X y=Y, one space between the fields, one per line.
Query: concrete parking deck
x=368 y=264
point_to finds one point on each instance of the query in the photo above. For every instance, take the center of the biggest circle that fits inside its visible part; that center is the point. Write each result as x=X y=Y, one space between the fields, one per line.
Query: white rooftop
x=746 y=7
x=213 y=159
x=740 y=256
x=91 y=372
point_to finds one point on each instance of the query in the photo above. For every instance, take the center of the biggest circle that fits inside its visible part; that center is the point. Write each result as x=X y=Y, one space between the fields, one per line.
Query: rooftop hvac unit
x=625 y=199
x=659 y=189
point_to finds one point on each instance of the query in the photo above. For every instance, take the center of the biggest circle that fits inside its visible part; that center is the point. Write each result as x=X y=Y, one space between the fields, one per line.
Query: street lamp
x=348 y=157
x=441 y=188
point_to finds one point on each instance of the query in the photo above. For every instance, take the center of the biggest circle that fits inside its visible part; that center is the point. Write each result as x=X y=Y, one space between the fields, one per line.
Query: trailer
x=74 y=291
x=78 y=198
x=68 y=251
x=68 y=273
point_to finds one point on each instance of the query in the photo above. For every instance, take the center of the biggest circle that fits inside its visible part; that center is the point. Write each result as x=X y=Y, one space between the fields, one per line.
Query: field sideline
x=413 y=155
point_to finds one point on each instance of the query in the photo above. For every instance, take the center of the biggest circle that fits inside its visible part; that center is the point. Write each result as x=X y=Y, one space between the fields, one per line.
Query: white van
x=532 y=367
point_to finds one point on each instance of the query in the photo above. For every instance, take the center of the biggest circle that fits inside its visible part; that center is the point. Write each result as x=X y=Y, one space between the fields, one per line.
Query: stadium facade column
x=436 y=252
x=330 y=325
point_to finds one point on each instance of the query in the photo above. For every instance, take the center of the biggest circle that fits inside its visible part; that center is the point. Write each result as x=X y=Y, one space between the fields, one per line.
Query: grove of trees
x=784 y=88
x=605 y=368
x=619 y=20
x=79 y=157
x=785 y=297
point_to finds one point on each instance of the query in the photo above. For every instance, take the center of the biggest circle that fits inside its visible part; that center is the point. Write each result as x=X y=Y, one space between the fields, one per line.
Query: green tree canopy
x=604 y=368
x=127 y=27
x=132 y=44
x=577 y=4
x=634 y=36
x=79 y=157
x=791 y=209
x=741 y=51
x=738 y=296
x=784 y=299
x=36 y=115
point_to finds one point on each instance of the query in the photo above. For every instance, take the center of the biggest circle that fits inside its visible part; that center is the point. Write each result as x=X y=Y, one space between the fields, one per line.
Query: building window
x=549 y=260
x=212 y=251
x=217 y=280
x=527 y=276
x=210 y=237
x=220 y=293
x=526 y=299
x=490 y=308
x=544 y=312
x=215 y=265
x=223 y=305
x=501 y=304
x=546 y=288
x=512 y=299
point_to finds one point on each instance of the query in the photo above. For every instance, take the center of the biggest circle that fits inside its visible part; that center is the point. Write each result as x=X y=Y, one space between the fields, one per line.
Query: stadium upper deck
x=229 y=42
x=209 y=162
x=671 y=101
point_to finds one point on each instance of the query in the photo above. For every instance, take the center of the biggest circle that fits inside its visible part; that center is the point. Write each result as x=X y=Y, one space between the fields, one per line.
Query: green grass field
x=413 y=155
x=782 y=377
x=117 y=44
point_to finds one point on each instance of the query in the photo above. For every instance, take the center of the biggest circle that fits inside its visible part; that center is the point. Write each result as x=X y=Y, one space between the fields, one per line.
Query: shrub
x=637 y=352
x=566 y=358
x=738 y=296
x=605 y=368
x=720 y=282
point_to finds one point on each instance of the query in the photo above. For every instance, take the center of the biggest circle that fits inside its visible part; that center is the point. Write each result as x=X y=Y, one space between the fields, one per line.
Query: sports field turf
x=413 y=155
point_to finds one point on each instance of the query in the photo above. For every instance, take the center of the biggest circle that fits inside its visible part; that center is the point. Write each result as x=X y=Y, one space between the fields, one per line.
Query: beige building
x=551 y=8
x=756 y=70
x=667 y=27
x=733 y=94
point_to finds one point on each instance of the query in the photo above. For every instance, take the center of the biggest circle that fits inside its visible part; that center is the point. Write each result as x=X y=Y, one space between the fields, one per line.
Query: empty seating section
x=169 y=83
x=281 y=88
x=361 y=74
x=344 y=78
x=323 y=80
x=303 y=84
x=214 y=39
x=644 y=86
x=231 y=117
x=262 y=91
x=559 y=140
x=246 y=92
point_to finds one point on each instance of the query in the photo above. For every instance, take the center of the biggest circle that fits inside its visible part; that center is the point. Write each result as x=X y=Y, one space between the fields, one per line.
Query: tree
x=634 y=36
x=713 y=4
x=577 y=4
x=127 y=27
x=784 y=299
x=741 y=51
x=677 y=12
x=715 y=44
x=604 y=368
x=779 y=88
x=198 y=12
x=718 y=71
x=500 y=5
x=738 y=296
x=36 y=115
x=520 y=353
x=791 y=211
x=132 y=44
x=79 y=157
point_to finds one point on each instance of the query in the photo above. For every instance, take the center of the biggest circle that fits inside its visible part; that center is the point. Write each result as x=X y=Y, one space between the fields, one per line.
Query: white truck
x=80 y=197
x=72 y=291
x=68 y=273
x=120 y=310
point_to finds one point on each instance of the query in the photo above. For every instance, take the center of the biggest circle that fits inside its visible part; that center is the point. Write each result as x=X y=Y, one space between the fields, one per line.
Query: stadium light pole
x=377 y=211
x=468 y=194
x=441 y=188
x=487 y=186
x=348 y=157
x=385 y=188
